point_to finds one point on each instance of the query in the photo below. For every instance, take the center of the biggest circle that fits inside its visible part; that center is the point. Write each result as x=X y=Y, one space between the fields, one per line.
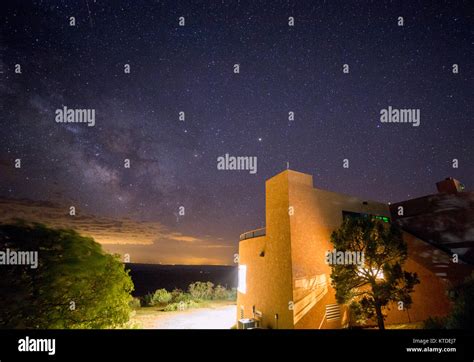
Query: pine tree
x=76 y=284
x=369 y=288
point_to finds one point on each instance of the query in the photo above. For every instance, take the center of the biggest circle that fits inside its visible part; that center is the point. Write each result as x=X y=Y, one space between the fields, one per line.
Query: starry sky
x=191 y=69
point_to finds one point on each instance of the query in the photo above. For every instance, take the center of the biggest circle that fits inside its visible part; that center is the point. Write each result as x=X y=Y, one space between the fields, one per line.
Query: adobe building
x=284 y=280
x=445 y=219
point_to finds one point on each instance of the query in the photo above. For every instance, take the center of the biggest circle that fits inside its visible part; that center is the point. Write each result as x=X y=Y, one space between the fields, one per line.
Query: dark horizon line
x=228 y=265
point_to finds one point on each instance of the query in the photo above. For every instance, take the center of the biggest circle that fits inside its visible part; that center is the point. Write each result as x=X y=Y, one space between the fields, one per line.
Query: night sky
x=191 y=69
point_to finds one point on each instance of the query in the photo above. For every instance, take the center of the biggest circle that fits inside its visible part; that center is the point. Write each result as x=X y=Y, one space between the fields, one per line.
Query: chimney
x=449 y=186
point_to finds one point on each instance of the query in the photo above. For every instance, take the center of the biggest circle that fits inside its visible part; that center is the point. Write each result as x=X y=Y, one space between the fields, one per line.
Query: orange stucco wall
x=293 y=279
x=317 y=213
x=269 y=277
x=437 y=272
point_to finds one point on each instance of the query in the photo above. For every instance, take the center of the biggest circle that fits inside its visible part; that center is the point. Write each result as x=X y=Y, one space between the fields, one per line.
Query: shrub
x=171 y=307
x=198 y=292
x=232 y=294
x=175 y=294
x=220 y=293
x=434 y=323
x=179 y=296
x=192 y=304
x=462 y=315
x=148 y=300
x=135 y=303
x=161 y=296
x=201 y=290
x=181 y=306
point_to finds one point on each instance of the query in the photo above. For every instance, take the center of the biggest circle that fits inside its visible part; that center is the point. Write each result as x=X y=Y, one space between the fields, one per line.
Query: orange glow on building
x=288 y=281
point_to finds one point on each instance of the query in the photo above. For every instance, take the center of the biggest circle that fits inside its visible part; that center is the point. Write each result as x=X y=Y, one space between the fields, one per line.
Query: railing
x=253 y=234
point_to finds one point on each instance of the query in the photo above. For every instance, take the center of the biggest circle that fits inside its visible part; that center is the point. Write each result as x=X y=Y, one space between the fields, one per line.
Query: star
x=190 y=69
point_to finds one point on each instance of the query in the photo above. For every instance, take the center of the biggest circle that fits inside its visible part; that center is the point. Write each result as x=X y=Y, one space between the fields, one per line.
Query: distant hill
x=149 y=277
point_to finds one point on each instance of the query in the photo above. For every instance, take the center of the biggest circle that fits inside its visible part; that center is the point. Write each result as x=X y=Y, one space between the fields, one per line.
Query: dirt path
x=214 y=317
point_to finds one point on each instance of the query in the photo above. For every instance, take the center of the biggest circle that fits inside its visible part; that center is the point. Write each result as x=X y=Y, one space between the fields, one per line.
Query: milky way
x=191 y=69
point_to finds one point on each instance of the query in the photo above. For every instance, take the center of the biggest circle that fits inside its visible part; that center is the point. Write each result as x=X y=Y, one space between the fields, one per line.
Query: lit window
x=242 y=288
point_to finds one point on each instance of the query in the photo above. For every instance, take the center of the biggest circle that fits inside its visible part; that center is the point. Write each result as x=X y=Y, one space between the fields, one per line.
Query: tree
x=462 y=314
x=76 y=284
x=381 y=279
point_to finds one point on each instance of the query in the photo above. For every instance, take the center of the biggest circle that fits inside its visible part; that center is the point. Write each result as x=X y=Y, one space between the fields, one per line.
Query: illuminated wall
x=316 y=213
x=286 y=271
x=268 y=263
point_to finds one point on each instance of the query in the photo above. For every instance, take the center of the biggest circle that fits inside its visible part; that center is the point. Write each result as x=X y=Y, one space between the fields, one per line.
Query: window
x=383 y=218
x=352 y=215
x=333 y=311
x=242 y=287
x=356 y=215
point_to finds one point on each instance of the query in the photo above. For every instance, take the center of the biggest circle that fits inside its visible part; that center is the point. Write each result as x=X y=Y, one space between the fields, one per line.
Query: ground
x=211 y=315
x=214 y=315
x=412 y=325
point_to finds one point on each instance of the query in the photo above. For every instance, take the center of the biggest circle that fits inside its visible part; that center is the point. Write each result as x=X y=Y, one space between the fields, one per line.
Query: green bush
x=220 y=293
x=201 y=290
x=198 y=292
x=181 y=306
x=161 y=296
x=232 y=294
x=192 y=304
x=171 y=307
x=135 y=303
x=148 y=300
x=179 y=296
